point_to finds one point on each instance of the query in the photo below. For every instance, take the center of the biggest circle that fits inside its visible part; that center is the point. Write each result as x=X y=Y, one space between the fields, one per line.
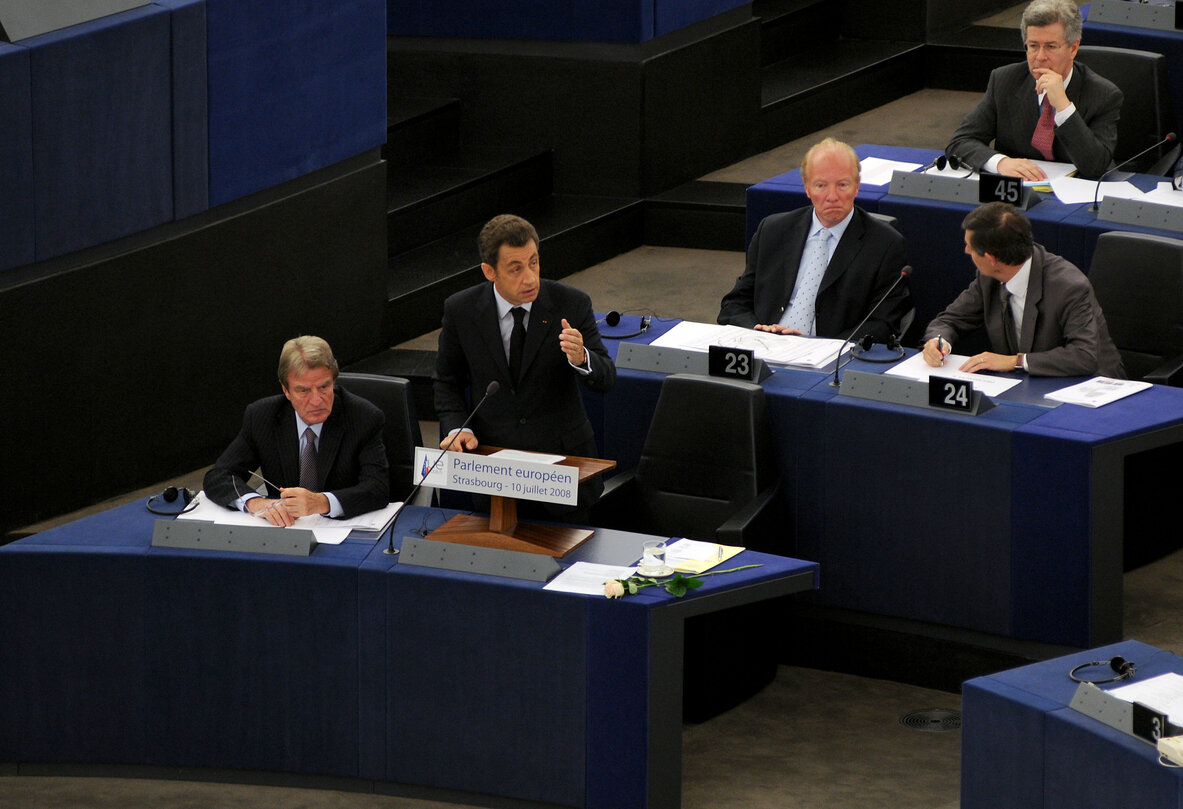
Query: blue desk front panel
x=905 y=508
x=17 y=244
x=1022 y=746
x=343 y=663
x=66 y=694
x=155 y=648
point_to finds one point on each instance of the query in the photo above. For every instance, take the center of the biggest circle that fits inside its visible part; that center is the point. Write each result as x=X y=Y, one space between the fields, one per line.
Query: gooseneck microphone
x=493 y=387
x=904 y=273
x=1169 y=138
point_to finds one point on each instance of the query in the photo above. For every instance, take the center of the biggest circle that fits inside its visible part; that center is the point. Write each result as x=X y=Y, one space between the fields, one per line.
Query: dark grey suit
x=1008 y=113
x=351 y=460
x=1064 y=331
x=543 y=411
x=866 y=261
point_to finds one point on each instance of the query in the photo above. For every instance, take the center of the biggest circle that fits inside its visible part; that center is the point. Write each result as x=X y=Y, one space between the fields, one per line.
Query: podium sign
x=500 y=475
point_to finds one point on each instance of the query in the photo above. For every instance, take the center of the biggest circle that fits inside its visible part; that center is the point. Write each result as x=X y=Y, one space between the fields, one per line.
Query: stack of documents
x=784 y=349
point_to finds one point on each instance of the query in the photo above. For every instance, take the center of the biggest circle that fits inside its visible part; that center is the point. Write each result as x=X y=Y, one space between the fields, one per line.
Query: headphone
x=1122 y=670
x=170 y=495
x=952 y=161
x=865 y=343
x=613 y=319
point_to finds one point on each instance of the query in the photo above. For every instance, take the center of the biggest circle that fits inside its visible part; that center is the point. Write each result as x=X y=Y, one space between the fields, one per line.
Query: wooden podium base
x=501 y=530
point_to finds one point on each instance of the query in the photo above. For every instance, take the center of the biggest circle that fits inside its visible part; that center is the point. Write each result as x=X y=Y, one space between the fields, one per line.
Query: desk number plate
x=951 y=394
x=732 y=363
x=996 y=188
x=1149 y=724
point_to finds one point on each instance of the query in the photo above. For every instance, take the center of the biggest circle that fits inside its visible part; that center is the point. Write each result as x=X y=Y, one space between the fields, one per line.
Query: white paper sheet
x=327 y=531
x=1165 y=194
x=1073 y=190
x=1098 y=391
x=916 y=368
x=587 y=578
x=519 y=455
x=1163 y=693
x=878 y=171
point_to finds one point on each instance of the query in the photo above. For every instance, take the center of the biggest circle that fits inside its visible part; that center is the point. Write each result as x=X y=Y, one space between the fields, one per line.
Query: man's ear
x=489 y=271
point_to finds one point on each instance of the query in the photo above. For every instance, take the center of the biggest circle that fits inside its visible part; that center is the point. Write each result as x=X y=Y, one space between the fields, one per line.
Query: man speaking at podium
x=538 y=340
x=1046 y=109
x=321 y=445
x=819 y=270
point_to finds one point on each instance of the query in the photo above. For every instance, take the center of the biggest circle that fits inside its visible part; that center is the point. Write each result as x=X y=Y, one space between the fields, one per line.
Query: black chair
x=392 y=395
x=1147 y=113
x=1138 y=279
x=707 y=470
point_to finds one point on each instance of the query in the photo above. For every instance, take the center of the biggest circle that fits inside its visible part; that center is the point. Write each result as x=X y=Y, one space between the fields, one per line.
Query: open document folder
x=327 y=531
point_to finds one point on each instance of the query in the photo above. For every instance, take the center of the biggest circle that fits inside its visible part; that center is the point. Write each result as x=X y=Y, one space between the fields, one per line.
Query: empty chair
x=1147 y=111
x=1138 y=279
x=707 y=470
x=392 y=395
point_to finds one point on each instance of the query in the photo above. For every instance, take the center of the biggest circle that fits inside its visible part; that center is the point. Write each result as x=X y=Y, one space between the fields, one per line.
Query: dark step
x=700 y=214
x=826 y=85
x=420 y=129
x=576 y=232
x=789 y=26
x=427 y=202
x=962 y=60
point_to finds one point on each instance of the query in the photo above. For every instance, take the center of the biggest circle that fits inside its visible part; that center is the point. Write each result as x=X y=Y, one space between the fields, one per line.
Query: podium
x=501 y=529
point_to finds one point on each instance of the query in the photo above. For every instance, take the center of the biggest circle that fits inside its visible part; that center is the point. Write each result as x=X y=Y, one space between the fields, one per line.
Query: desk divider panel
x=190 y=86
x=21 y=19
x=101 y=130
x=16 y=156
x=294 y=86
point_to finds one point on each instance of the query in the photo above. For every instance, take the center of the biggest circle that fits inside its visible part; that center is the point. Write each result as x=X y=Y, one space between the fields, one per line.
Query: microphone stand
x=1170 y=138
x=904 y=273
x=390 y=550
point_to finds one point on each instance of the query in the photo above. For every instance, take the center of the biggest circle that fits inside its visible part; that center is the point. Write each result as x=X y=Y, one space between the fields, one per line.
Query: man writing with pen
x=318 y=448
x=1037 y=308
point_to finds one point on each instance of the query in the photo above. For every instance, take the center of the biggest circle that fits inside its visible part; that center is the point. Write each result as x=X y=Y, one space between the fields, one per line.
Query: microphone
x=492 y=389
x=1168 y=138
x=904 y=273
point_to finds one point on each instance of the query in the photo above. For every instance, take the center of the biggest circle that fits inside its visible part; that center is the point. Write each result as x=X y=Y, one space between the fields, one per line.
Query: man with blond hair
x=318 y=448
x=1048 y=108
x=819 y=270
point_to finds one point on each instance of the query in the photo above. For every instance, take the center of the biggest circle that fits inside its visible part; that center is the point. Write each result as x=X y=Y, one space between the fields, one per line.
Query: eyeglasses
x=1050 y=48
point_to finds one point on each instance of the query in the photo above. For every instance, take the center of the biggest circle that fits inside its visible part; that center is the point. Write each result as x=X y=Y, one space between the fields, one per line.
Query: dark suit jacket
x=1064 y=331
x=1008 y=112
x=544 y=410
x=865 y=263
x=351 y=460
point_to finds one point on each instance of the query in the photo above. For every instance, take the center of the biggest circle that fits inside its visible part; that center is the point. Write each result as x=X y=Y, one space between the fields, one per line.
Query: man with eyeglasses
x=1048 y=109
x=319 y=449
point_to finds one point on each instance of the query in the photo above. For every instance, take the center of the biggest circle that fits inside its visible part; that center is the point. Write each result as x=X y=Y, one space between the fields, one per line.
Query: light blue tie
x=816 y=257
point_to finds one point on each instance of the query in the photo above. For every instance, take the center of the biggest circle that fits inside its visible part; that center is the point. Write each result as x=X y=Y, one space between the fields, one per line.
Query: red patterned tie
x=1045 y=131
